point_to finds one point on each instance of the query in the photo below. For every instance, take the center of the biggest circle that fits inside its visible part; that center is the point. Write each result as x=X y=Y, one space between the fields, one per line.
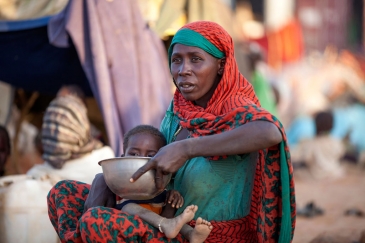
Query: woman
x=217 y=108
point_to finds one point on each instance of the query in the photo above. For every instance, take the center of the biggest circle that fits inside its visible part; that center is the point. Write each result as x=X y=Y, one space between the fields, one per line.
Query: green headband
x=189 y=37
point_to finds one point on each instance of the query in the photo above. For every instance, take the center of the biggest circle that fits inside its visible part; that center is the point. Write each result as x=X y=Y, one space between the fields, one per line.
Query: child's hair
x=146 y=129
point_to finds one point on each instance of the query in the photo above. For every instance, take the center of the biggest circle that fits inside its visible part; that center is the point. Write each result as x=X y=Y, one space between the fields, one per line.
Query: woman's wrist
x=187 y=145
x=192 y=147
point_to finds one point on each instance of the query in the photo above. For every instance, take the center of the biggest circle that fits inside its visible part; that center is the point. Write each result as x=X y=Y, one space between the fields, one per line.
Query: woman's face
x=195 y=73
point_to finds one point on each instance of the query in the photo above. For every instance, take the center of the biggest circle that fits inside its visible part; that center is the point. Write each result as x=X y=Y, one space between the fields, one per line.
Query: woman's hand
x=174 y=198
x=167 y=160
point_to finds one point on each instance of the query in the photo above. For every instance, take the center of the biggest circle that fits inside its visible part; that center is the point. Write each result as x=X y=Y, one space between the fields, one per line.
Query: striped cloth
x=66 y=131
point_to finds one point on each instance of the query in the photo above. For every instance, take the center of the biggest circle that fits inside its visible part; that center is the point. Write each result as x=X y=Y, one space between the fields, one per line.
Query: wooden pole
x=24 y=111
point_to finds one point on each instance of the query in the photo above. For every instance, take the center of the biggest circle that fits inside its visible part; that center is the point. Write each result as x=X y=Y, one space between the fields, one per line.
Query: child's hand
x=174 y=198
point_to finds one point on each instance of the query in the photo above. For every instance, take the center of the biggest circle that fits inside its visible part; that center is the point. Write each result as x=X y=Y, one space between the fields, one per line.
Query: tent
x=29 y=61
x=103 y=46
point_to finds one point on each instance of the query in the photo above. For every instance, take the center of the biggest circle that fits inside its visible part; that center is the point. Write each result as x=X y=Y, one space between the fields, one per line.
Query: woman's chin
x=189 y=97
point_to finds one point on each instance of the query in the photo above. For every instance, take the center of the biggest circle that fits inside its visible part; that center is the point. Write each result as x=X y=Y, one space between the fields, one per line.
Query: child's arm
x=100 y=194
x=174 y=200
x=168 y=211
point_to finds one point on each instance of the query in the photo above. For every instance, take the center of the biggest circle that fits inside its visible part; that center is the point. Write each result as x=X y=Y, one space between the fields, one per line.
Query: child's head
x=143 y=140
x=324 y=122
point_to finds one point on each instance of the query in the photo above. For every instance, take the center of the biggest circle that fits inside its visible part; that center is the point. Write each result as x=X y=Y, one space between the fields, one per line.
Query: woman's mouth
x=186 y=88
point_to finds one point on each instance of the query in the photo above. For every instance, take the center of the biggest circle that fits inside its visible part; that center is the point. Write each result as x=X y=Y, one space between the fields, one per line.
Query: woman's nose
x=185 y=70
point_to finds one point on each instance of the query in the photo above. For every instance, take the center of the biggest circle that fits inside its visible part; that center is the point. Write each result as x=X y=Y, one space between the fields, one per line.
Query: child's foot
x=201 y=231
x=172 y=227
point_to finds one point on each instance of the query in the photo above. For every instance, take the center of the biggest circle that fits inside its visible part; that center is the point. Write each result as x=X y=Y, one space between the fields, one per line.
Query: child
x=145 y=141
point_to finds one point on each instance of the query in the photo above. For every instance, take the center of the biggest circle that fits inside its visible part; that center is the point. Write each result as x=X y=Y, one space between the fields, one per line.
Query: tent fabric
x=27 y=10
x=170 y=12
x=23 y=24
x=30 y=62
x=125 y=62
x=211 y=10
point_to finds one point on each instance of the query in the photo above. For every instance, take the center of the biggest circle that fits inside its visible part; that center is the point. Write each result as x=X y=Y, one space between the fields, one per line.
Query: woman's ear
x=221 y=64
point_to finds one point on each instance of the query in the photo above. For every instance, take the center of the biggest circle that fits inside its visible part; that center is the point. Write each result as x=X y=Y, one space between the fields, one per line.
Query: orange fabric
x=154 y=209
x=285 y=45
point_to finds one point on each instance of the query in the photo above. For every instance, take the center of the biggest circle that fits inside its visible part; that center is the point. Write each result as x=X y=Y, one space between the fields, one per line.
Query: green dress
x=221 y=188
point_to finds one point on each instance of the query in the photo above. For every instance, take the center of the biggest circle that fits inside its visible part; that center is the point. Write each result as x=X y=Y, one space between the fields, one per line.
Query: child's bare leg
x=170 y=227
x=198 y=234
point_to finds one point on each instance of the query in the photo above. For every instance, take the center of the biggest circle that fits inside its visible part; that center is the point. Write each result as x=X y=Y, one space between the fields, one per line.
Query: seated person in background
x=5 y=148
x=322 y=153
x=75 y=90
x=347 y=126
x=69 y=150
x=145 y=141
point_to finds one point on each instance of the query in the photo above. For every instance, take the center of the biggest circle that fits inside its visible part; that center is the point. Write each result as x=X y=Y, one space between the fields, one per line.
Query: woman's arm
x=247 y=138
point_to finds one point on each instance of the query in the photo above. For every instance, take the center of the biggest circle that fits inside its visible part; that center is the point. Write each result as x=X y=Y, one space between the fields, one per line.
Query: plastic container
x=23 y=211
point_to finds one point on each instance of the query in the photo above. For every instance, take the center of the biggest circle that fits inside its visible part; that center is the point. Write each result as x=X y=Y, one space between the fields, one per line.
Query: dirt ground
x=334 y=197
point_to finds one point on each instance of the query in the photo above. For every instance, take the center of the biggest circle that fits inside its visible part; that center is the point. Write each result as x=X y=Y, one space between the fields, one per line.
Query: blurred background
x=305 y=59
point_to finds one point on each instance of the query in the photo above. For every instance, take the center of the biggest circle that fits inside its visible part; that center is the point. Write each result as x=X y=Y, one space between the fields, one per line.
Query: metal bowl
x=118 y=171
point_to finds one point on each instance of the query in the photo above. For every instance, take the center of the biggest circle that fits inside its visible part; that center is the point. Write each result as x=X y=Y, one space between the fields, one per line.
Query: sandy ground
x=334 y=197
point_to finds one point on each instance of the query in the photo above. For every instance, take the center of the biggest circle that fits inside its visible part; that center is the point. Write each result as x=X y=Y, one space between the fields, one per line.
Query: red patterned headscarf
x=233 y=90
x=234 y=103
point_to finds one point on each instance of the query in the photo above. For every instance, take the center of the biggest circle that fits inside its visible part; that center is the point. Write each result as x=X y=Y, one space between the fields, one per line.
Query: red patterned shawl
x=234 y=103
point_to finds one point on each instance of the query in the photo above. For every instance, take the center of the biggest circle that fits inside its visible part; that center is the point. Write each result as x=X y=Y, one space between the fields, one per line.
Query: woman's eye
x=174 y=60
x=150 y=155
x=195 y=59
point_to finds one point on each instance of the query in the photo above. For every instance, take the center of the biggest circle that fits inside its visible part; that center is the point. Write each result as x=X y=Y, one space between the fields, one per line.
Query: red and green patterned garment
x=272 y=212
x=234 y=103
